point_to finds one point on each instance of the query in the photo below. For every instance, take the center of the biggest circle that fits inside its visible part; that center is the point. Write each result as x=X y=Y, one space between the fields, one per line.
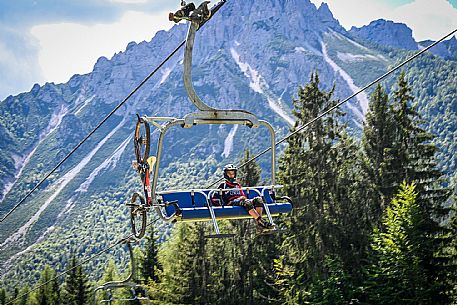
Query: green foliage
x=432 y=84
x=396 y=275
x=76 y=288
x=3 y=296
x=150 y=267
x=22 y=296
x=110 y=274
x=397 y=149
x=319 y=171
x=48 y=290
x=378 y=133
x=336 y=289
x=248 y=175
x=185 y=271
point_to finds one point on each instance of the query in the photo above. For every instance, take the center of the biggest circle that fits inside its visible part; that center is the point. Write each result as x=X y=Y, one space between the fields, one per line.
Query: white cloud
x=427 y=21
x=70 y=48
x=18 y=67
x=356 y=12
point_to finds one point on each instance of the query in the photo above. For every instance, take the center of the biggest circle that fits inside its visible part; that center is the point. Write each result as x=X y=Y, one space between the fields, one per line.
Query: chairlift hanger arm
x=197 y=18
x=129 y=282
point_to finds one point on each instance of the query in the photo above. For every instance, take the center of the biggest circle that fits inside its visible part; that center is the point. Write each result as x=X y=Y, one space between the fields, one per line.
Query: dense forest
x=373 y=223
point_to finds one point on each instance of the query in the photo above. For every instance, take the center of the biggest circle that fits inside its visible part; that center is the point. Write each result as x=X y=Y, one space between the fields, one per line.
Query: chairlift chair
x=195 y=204
x=129 y=283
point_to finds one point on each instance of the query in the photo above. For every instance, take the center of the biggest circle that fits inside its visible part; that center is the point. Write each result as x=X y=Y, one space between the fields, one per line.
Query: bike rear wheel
x=138 y=217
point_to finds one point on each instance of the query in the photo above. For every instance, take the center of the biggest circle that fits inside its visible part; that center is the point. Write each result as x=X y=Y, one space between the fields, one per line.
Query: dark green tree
x=110 y=274
x=250 y=265
x=249 y=174
x=335 y=288
x=377 y=140
x=404 y=151
x=76 y=288
x=185 y=266
x=3 y=296
x=447 y=256
x=319 y=172
x=150 y=266
x=413 y=160
x=21 y=296
x=48 y=292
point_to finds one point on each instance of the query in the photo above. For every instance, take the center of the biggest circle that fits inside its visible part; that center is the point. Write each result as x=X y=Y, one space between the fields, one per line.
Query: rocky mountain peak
x=386 y=32
x=447 y=49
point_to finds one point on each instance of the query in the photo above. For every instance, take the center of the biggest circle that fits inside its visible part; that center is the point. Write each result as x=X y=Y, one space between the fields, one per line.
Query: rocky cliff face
x=446 y=50
x=386 y=32
x=399 y=36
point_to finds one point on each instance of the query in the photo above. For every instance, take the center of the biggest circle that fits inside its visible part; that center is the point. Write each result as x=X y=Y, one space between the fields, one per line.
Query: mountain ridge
x=399 y=35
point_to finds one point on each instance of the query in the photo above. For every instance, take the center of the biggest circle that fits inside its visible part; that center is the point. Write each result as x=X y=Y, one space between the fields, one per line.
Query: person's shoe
x=264 y=225
x=269 y=225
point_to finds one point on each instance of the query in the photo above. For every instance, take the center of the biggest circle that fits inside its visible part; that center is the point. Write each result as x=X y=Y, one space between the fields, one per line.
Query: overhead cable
x=126 y=239
x=214 y=10
x=300 y=128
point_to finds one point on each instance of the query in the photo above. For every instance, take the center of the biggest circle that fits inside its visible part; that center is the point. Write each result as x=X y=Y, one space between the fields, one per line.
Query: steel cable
x=300 y=128
x=213 y=11
x=120 y=241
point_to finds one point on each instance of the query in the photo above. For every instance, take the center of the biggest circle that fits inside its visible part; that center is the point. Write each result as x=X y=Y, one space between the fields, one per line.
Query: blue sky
x=51 y=40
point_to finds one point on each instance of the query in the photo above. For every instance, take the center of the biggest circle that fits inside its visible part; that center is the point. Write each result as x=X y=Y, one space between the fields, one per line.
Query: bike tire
x=138 y=217
x=142 y=141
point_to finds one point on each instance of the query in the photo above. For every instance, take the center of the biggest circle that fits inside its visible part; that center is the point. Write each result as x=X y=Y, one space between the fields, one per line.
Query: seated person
x=237 y=197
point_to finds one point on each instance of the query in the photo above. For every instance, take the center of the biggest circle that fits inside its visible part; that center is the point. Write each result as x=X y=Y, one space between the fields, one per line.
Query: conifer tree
x=249 y=175
x=410 y=157
x=21 y=296
x=396 y=277
x=110 y=274
x=185 y=269
x=76 y=288
x=252 y=265
x=447 y=258
x=237 y=252
x=414 y=160
x=317 y=171
x=48 y=293
x=150 y=266
x=452 y=275
x=3 y=296
x=334 y=289
x=377 y=139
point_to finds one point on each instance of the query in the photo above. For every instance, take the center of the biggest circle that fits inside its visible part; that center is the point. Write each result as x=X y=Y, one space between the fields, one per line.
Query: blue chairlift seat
x=196 y=209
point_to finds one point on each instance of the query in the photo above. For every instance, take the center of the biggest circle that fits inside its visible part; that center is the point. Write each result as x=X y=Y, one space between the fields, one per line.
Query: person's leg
x=258 y=204
x=254 y=213
x=248 y=205
x=259 y=210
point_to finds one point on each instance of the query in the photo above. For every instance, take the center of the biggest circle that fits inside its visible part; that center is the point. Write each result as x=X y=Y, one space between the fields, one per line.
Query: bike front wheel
x=142 y=140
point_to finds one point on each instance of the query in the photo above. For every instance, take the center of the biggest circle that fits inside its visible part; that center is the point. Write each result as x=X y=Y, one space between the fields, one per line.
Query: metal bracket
x=207 y=112
x=221 y=117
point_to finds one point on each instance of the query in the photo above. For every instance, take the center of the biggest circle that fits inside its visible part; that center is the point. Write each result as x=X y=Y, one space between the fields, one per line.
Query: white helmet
x=230 y=167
